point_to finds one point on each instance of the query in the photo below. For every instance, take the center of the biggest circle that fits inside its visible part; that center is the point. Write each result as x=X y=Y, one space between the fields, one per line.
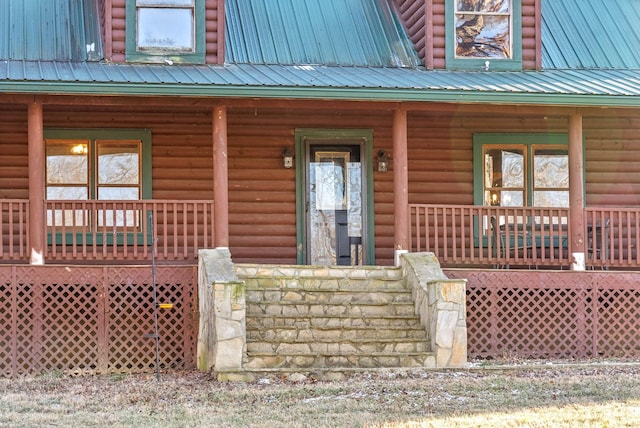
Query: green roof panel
x=50 y=30
x=328 y=32
x=583 y=34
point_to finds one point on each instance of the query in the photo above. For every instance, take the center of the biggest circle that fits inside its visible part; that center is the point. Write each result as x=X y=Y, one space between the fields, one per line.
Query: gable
x=331 y=32
x=591 y=34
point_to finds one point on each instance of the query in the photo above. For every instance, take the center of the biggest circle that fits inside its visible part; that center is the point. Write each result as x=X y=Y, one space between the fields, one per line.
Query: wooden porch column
x=400 y=184
x=576 y=193
x=220 y=178
x=36 y=183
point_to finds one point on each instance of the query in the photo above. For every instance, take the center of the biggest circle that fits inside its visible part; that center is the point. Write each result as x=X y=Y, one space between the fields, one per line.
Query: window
x=84 y=165
x=516 y=170
x=484 y=35
x=165 y=31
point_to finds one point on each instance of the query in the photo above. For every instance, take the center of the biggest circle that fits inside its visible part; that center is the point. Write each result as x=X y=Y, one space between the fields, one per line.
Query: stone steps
x=306 y=318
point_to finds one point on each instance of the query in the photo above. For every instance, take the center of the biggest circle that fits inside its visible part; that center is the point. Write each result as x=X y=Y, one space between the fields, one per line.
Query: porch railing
x=613 y=236
x=491 y=236
x=14 y=221
x=125 y=230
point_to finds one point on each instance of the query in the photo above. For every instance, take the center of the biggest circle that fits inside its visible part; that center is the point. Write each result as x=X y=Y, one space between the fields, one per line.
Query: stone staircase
x=301 y=317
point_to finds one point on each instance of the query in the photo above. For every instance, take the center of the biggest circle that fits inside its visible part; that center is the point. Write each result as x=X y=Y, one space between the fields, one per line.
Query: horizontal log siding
x=14 y=156
x=262 y=210
x=119 y=32
x=612 y=161
x=413 y=14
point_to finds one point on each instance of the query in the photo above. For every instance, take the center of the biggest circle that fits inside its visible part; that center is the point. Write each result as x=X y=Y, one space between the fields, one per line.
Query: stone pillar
x=222 y=305
x=441 y=304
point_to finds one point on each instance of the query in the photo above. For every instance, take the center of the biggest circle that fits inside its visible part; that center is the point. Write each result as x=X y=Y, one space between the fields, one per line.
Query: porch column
x=400 y=184
x=36 y=183
x=220 y=178
x=576 y=193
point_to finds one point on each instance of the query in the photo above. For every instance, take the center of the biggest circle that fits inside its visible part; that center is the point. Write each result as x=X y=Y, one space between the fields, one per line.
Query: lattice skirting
x=85 y=319
x=537 y=314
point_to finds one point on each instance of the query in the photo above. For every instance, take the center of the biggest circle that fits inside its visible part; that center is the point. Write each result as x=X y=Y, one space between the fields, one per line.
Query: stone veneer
x=222 y=345
x=441 y=304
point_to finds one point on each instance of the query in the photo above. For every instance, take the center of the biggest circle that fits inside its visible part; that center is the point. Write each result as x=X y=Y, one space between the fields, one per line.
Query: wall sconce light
x=495 y=199
x=383 y=161
x=287 y=158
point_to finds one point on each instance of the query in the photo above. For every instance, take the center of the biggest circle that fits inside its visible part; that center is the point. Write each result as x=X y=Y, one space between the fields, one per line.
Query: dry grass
x=591 y=395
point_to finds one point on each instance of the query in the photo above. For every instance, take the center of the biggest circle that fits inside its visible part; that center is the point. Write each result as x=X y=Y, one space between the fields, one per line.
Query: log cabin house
x=493 y=133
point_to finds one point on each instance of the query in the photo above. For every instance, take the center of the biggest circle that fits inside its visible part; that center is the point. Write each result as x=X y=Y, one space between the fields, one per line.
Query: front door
x=335 y=196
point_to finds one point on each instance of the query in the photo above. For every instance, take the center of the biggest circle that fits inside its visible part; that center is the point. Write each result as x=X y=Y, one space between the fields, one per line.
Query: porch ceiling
x=549 y=87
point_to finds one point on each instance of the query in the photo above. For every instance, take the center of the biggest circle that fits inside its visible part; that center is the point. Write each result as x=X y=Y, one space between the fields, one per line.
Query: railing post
x=36 y=183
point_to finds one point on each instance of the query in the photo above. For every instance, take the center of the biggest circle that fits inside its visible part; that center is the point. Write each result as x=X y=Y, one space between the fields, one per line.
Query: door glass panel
x=335 y=206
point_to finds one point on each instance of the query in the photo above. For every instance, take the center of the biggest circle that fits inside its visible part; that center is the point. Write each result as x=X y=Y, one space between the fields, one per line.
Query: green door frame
x=303 y=137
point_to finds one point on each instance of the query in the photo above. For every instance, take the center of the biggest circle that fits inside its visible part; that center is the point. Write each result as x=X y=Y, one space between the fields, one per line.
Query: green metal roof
x=327 y=32
x=50 y=30
x=552 y=87
x=591 y=34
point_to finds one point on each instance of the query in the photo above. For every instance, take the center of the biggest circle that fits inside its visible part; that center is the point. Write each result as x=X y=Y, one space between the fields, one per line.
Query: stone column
x=441 y=304
x=222 y=305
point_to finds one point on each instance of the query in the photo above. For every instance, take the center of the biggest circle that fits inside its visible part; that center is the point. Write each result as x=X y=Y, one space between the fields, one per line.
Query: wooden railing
x=127 y=230
x=14 y=220
x=613 y=236
x=491 y=236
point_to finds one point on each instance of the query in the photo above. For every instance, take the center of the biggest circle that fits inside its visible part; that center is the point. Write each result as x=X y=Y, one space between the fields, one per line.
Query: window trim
x=479 y=64
x=162 y=56
x=91 y=135
x=530 y=140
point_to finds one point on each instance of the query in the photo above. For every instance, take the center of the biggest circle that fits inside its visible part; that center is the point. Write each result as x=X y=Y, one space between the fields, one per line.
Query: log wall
x=262 y=192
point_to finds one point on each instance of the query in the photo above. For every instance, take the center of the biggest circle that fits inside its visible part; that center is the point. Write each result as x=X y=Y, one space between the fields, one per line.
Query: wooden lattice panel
x=131 y=317
x=537 y=314
x=92 y=319
x=618 y=315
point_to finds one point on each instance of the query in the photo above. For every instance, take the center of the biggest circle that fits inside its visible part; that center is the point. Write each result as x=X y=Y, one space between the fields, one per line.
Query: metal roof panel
x=581 y=34
x=575 y=87
x=331 y=32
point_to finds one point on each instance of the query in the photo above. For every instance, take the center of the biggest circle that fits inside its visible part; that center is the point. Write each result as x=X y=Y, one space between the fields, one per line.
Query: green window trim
x=93 y=134
x=166 y=56
x=509 y=139
x=480 y=64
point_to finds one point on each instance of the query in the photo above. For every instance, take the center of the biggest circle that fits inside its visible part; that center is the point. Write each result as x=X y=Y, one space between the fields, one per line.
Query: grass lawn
x=544 y=395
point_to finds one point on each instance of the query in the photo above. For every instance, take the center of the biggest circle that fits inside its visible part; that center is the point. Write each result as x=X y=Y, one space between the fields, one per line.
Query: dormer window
x=165 y=31
x=484 y=34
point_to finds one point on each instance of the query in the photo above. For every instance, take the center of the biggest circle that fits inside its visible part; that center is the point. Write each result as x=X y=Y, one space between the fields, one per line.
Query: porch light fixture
x=287 y=158
x=383 y=161
x=79 y=149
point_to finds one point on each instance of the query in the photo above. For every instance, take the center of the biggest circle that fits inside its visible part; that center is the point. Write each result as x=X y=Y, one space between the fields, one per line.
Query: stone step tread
x=417 y=327
x=339 y=354
x=347 y=316
x=344 y=341
x=406 y=294
x=306 y=303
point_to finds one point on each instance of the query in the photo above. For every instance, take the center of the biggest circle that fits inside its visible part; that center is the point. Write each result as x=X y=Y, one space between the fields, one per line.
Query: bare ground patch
x=525 y=394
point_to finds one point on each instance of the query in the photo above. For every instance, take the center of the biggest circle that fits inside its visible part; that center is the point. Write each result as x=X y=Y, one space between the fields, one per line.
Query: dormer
x=493 y=35
x=164 y=31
